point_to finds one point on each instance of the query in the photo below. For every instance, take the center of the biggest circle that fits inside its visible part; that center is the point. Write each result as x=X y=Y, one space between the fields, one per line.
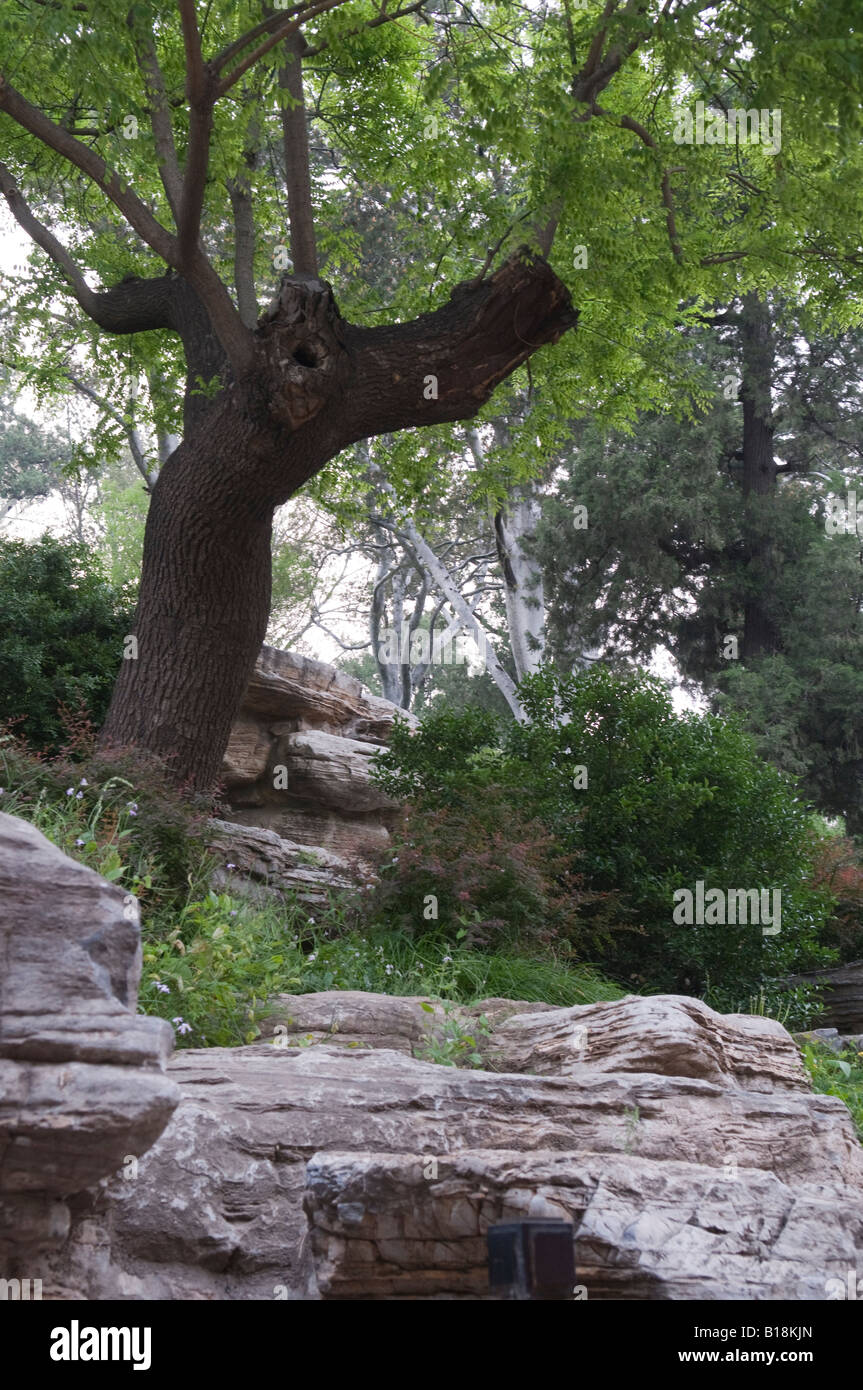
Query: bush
x=838 y=1076
x=670 y=799
x=480 y=871
x=61 y=636
x=838 y=870
x=211 y=960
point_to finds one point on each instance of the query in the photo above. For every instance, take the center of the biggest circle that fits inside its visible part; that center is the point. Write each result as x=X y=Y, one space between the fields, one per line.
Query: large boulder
x=82 y=1076
x=298 y=760
x=686 y=1147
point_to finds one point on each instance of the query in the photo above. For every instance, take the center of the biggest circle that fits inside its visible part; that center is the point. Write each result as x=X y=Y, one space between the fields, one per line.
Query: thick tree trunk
x=203 y=608
x=320 y=384
x=759 y=475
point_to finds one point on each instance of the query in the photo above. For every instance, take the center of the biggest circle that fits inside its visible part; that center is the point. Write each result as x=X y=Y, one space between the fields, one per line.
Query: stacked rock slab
x=297 y=770
x=686 y=1148
x=82 y=1076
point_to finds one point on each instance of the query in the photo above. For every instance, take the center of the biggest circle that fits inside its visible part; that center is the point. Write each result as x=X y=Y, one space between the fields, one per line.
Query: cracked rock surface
x=686 y=1147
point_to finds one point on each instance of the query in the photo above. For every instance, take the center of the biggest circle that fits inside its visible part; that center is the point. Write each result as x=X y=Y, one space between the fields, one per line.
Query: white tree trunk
x=442 y=581
x=524 y=592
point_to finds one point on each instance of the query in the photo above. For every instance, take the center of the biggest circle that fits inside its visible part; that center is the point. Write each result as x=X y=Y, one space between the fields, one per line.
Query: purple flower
x=79 y=842
x=233 y=914
x=83 y=782
x=163 y=989
x=70 y=791
x=184 y=1028
x=132 y=808
x=78 y=796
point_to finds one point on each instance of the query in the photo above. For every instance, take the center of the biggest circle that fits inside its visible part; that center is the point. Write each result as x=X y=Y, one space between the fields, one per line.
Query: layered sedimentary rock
x=82 y=1076
x=335 y=1161
x=298 y=762
x=348 y=1169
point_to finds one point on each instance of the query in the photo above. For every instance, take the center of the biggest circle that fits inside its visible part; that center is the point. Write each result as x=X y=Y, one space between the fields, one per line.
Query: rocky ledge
x=334 y=1160
x=298 y=758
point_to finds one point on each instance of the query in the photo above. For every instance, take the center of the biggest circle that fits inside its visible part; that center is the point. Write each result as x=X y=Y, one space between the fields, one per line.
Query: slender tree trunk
x=759 y=476
x=524 y=592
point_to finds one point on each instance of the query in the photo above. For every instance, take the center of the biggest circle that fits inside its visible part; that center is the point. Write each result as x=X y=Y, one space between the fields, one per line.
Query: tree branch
x=627 y=123
x=201 y=99
x=244 y=248
x=127 y=424
x=160 y=121
x=295 y=140
x=283 y=31
x=136 y=213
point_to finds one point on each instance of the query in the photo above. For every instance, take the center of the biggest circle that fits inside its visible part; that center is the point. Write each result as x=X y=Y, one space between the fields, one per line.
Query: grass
x=211 y=960
x=835 y=1075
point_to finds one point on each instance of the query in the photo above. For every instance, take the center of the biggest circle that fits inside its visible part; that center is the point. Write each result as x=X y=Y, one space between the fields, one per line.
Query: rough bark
x=320 y=384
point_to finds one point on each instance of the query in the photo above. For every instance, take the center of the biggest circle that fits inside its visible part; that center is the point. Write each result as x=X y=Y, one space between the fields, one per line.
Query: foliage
x=840 y=1076
x=61 y=635
x=663 y=560
x=212 y=960
x=30 y=456
x=121 y=815
x=838 y=869
x=457 y=1044
x=670 y=799
x=482 y=872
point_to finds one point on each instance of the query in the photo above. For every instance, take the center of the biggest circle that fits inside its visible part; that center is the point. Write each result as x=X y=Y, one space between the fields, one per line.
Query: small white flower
x=388 y=969
x=184 y=1028
x=230 y=866
x=312 y=957
x=78 y=796
x=132 y=808
x=83 y=782
x=163 y=989
x=447 y=960
x=70 y=791
x=79 y=842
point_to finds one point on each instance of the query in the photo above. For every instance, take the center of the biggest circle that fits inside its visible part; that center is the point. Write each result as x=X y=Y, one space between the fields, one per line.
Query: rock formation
x=335 y=1161
x=322 y=727
x=296 y=776
x=82 y=1076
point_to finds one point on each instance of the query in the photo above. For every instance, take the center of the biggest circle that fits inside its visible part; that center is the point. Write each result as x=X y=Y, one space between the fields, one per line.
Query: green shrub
x=840 y=1076
x=211 y=960
x=670 y=799
x=121 y=815
x=480 y=871
x=61 y=636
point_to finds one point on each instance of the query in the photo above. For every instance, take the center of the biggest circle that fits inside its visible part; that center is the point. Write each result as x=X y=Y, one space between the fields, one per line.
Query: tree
x=667 y=559
x=156 y=128
x=30 y=457
x=61 y=623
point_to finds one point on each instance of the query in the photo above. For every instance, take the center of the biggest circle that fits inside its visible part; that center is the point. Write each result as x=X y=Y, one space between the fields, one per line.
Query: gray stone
x=335 y=1171
x=82 y=1076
